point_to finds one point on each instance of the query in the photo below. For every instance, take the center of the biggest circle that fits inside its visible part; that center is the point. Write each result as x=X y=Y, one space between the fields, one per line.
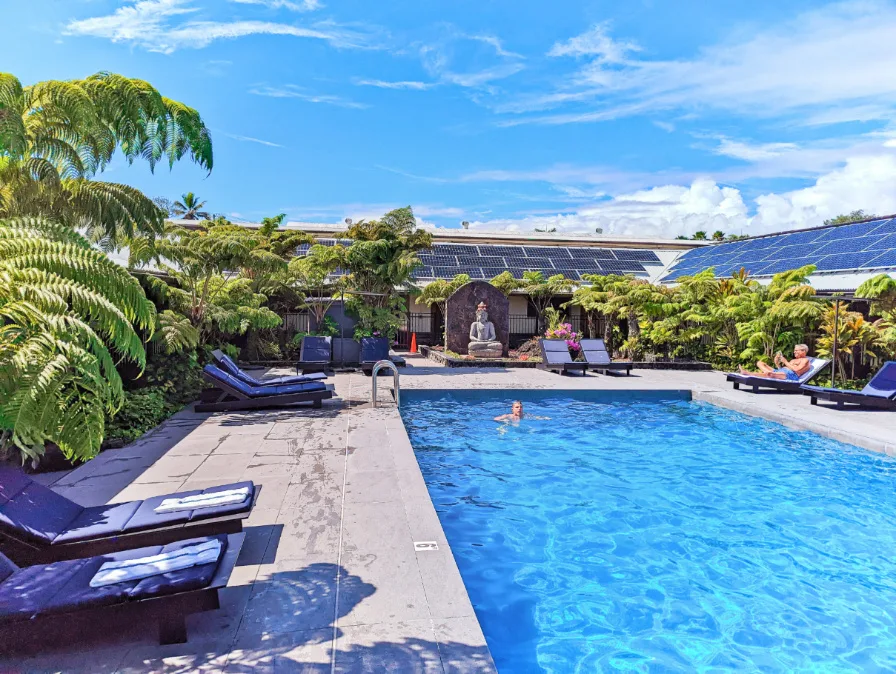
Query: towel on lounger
x=145 y=567
x=215 y=498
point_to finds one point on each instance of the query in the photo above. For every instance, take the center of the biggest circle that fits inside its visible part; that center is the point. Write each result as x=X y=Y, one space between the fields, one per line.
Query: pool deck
x=329 y=579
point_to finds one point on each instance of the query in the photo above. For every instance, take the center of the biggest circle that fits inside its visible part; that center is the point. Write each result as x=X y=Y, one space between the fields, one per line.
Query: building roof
x=845 y=255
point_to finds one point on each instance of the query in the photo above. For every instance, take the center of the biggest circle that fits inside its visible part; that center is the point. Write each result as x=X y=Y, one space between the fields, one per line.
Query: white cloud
x=752 y=152
x=249 y=139
x=863 y=182
x=301 y=6
x=382 y=84
x=295 y=91
x=454 y=59
x=660 y=212
x=835 y=63
x=154 y=25
x=595 y=42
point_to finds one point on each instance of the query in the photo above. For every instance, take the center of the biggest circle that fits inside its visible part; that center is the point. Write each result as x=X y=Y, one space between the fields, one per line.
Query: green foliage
x=881 y=289
x=141 y=411
x=189 y=208
x=310 y=281
x=206 y=285
x=846 y=218
x=438 y=292
x=382 y=257
x=506 y=283
x=55 y=136
x=175 y=332
x=541 y=291
x=67 y=316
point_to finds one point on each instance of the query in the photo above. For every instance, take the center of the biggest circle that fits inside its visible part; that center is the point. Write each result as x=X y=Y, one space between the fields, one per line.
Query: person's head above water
x=517 y=408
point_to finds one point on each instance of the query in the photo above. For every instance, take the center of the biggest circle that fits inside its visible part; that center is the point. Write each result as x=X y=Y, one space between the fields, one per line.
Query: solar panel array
x=843 y=248
x=447 y=260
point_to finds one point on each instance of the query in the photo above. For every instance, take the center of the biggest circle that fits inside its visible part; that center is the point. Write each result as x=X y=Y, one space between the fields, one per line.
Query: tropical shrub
x=141 y=411
x=68 y=314
x=438 y=292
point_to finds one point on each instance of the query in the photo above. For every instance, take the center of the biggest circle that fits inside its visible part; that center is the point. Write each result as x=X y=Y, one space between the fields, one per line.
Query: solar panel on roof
x=500 y=250
x=845 y=261
x=439 y=260
x=884 y=260
x=851 y=245
x=637 y=255
x=848 y=231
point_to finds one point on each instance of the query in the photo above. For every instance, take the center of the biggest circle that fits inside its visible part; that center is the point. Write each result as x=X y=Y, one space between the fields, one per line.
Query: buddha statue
x=483 y=342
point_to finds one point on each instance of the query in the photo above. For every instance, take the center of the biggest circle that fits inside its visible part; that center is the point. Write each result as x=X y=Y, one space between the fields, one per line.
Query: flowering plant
x=565 y=332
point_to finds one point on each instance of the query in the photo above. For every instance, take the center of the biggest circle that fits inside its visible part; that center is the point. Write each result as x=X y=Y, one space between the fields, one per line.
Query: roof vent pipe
x=465 y=224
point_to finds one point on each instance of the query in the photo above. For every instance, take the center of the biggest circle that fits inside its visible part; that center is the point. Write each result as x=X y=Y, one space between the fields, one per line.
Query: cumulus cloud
x=827 y=65
x=864 y=182
x=159 y=26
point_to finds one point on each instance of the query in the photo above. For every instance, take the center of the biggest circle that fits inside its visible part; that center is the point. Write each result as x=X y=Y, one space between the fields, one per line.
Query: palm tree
x=67 y=315
x=55 y=136
x=190 y=208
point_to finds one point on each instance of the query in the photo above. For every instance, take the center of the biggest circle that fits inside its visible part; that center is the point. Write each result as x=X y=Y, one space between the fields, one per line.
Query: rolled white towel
x=197 y=501
x=145 y=567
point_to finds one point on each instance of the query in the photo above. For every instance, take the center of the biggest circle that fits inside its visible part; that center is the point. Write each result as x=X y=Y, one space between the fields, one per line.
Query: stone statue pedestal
x=460 y=315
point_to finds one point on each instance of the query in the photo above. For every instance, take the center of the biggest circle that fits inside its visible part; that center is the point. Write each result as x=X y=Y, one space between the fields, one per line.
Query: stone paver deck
x=328 y=580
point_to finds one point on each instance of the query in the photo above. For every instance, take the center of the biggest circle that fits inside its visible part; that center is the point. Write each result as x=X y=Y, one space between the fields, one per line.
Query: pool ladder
x=386 y=365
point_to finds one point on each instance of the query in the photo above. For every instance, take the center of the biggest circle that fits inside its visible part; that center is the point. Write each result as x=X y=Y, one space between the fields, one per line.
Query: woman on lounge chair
x=791 y=370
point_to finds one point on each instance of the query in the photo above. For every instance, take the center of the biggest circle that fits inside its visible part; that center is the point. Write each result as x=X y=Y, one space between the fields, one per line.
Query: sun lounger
x=555 y=357
x=316 y=355
x=598 y=359
x=39 y=525
x=754 y=383
x=879 y=392
x=373 y=350
x=45 y=598
x=235 y=394
x=227 y=365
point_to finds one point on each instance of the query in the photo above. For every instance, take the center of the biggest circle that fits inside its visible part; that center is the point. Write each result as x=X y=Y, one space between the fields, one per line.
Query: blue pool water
x=649 y=534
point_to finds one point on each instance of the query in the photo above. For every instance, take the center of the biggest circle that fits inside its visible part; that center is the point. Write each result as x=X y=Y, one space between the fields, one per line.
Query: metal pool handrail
x=386 y=364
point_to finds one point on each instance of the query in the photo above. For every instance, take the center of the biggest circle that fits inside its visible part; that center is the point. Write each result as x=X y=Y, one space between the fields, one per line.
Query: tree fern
x=67 y=315
x=55 y=136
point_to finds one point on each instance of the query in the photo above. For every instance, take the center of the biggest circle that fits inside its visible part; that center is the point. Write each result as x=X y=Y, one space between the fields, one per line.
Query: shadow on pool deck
x=285 y=620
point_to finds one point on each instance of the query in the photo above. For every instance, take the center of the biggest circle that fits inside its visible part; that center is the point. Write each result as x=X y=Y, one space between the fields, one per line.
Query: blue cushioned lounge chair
x=235 y=394
x=227 y=365
x=879 y=392
x=39 y=525
x=316 y=355
x=598 y=359
x=754 y=383
x=555 y=357
x=373 y=350
x=37 y=599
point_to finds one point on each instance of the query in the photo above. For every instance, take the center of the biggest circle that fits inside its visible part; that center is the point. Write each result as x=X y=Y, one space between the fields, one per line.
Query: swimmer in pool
x=516 y=412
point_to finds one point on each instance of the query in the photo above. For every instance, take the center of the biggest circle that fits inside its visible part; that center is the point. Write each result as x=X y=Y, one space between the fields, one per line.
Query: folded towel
x=209 y=500
x=145 y=567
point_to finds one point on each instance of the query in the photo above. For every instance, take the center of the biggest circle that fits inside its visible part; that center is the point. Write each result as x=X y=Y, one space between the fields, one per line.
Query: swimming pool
x=651 y=533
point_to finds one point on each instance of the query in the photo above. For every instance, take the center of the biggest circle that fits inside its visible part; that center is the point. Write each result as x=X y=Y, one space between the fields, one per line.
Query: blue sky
x=644 y=118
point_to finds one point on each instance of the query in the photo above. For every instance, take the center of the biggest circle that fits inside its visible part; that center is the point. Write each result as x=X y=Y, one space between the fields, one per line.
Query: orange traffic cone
x=414 y=343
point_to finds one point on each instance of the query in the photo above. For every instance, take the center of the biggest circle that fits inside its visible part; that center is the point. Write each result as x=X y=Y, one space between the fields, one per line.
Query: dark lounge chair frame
x=227 y=365
x=843 y=398
x=232 y=398
x=611 y=366
x=367 y=364
x=780 y=385
x=307 y=366
x=25 y=552
x=561 y=368
x=169 y=611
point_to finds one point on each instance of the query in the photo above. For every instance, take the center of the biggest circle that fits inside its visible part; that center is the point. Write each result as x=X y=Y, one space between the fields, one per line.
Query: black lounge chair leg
x=755 y=389
x=814 y=400
x=173 y=629
x=736 y=386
